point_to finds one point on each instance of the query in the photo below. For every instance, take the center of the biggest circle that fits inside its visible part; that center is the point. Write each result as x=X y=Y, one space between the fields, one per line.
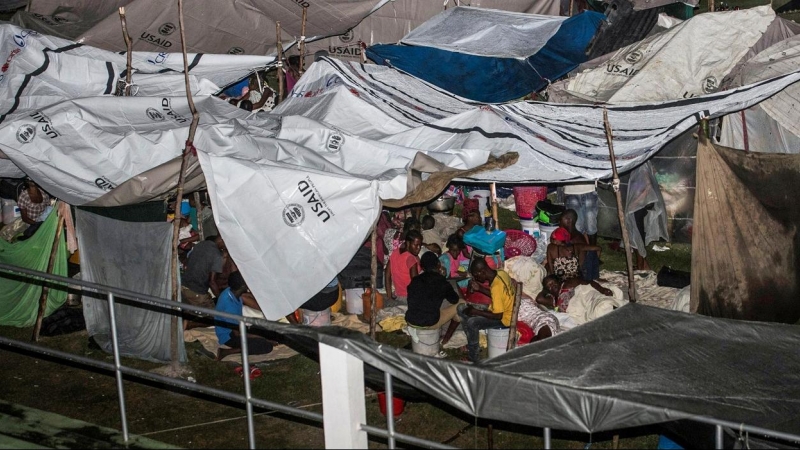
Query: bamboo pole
x=301 y=69
x=373 y=314
x=128 y=45
x=280 y=64
x=176 y=225
x=46 y=288
x=493 y=198
x=621 y=215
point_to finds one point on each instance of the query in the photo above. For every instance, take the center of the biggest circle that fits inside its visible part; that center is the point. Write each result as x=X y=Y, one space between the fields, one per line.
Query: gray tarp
x=132 y=256
x=635 y=366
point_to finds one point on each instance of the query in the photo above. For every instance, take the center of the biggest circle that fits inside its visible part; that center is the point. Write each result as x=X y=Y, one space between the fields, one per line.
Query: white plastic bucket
x=355 y=304
x=546 y=231
x=530 y=227
x=483 y=200
x=317 y=318
x=498 y=341
x=428 y=342
x=10 y=211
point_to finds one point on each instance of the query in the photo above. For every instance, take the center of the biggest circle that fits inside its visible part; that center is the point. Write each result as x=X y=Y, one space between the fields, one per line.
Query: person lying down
x=581 y=300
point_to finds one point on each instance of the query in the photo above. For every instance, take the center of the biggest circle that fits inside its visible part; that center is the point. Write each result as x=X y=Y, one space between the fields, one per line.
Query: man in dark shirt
x=202 y=267
x=426 y=294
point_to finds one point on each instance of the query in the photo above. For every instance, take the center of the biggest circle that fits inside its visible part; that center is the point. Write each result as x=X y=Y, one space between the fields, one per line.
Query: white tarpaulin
x=235 y=27
x=502 y=34
x=687 y=60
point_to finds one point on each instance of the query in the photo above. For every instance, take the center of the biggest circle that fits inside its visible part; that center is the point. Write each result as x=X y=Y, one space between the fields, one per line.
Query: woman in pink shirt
x=403 y=266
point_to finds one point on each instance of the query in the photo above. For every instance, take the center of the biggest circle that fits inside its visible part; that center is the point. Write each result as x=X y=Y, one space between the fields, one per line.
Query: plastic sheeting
x=637 y=365
x=642 y=192
x=687 y=60
x=136 y=257
x=745 y=252
x=240 y=27
x=491 y=56
x=19 y=300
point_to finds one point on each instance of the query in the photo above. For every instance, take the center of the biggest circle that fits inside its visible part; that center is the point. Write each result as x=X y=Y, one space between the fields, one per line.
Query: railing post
x=343 y=405
x=251 y=432
x=115 y=347
x=389 y=408
x=718 y=437
x=547 y=443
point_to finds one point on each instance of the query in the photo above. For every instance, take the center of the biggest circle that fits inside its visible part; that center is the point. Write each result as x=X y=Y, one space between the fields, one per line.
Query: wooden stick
x=199 y=209
x=280 y=64
x=176 y=223
x=128 y=67
x=625 y=237
x=571 y=7
x=512 y=329
x=373 y=298
x=46 y=289
x=301 y=69
x=489 y=436
x=615 y=442
x=711 y=6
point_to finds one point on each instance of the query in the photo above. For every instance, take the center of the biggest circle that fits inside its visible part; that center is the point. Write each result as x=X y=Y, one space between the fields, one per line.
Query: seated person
x=565 y=258
x=473 y=219
x=203 y=266
x=502 y=292
x=590 y=267
x=427 y=293
x=34 y=207
x=579 y=298
x=227 y=330
x=403 y=267
x=429 y=236
x=456 y=257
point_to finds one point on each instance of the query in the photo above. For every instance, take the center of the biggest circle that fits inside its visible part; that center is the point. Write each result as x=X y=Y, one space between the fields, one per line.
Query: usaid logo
x=710 y=85
x=347 y=37
x=633 y=57
x=335 y=143
x=236 y=51
x=26 y=133
x=166 y=29
x=154 y=115
x=293 y=215
x=19 y=39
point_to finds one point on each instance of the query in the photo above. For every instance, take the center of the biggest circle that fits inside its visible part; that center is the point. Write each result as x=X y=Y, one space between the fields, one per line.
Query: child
x=403 y=267
x=429 y=236
x=455 y=257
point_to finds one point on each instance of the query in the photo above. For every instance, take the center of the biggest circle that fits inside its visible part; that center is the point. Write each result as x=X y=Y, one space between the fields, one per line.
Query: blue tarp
x=495 y=79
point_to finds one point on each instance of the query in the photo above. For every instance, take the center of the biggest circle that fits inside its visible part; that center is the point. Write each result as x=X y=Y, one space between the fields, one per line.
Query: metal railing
x=247 y=399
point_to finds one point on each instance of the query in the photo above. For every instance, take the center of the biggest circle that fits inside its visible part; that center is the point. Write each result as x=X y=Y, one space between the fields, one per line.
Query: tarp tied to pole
x=135 y=257
x=745 y=244
x=19 y=300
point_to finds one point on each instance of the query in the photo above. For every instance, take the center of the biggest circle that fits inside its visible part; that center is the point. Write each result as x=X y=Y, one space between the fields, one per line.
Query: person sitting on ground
x=227 y=330
x=455 y=258
x=403 y=267
x=429 y=236
x=203 y=266
x=565 y=258
x=590 y=264
x=426 y=295
x=33 y=202
x=502 y=291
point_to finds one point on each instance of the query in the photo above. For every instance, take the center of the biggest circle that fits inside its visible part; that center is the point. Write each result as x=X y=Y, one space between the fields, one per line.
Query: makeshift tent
x=349 y=137
x=489 y=55
x=745 y=252
x=397 y=18
x=135 y=257
x=637 y=365
x=19 y=300
x=241 y=27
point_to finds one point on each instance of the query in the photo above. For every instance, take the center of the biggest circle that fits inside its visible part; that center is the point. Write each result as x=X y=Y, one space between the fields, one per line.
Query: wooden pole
x=620 y=213
x=571 y=7
x=176 y=225
x=512 y=329
x=199 y=208
x=46 y=289
x=373 y=314
x=493 y=199
x=711 y=6
x=128 y=45
x=301 y=69
x=280 y=64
